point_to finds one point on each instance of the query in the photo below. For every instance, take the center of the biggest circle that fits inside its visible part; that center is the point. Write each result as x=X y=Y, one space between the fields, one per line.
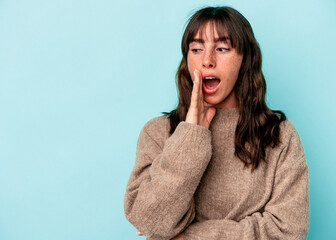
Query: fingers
x=200 y=102
x=198 y=79
x=196 y=105
x=196 y=113
x=199 y=88
x=195 y=91
x=193 y=112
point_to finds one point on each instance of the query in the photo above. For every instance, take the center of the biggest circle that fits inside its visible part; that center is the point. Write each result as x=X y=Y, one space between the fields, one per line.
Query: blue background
x=79 y=79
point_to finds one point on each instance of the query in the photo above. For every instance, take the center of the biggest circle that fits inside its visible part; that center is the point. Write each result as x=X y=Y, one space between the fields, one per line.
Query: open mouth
x=210 y=84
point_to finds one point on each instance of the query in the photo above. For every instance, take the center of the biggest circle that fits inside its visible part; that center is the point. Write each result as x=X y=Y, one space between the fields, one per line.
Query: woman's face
x=219 y=65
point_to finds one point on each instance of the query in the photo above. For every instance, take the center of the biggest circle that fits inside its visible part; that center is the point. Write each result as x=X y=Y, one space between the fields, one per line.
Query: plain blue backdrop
x=79 y=79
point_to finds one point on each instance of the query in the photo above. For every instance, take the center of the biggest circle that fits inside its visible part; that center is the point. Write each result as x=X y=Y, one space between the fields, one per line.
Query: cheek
x=191 y=67
x=234 y=69
x=238 y=65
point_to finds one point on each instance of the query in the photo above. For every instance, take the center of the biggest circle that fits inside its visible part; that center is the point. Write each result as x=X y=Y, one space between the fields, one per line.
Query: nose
x=209 y=60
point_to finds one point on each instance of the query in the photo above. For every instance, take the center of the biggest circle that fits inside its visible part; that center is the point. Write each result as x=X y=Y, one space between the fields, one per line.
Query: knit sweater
x=192 y=182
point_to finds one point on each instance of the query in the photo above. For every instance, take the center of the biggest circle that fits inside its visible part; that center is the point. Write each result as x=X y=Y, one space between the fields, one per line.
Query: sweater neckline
x=227 y=112
x=226 y=115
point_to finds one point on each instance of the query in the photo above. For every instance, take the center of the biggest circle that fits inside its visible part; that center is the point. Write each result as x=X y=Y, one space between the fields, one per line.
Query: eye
x=223 y=49
x=195 y=50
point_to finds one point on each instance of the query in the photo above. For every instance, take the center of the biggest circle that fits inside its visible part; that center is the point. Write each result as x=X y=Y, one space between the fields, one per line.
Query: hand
x=196 y=114
x=140 y=234
x=178 y=237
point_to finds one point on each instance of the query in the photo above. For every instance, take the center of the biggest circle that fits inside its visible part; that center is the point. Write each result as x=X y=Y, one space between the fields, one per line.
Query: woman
x=222 y=165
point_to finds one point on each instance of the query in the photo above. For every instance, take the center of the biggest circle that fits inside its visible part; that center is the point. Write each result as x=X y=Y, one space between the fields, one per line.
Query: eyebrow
x=220 y=39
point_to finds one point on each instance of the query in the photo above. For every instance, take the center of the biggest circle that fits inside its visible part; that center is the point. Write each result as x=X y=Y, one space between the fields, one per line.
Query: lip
x=208 y=75
x=210 y=90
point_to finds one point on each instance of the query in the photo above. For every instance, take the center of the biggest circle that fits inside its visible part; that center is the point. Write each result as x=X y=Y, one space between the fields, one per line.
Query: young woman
x=222 y=165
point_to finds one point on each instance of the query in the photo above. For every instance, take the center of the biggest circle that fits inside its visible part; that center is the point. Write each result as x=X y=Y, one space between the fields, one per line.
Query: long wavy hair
x=257 y=126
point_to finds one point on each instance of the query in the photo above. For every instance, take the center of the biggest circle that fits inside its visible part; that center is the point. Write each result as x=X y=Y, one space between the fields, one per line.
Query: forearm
x=159 y=197
x=285 y=216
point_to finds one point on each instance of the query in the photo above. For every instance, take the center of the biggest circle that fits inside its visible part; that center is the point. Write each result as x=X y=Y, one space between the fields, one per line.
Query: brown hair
x=258 y=126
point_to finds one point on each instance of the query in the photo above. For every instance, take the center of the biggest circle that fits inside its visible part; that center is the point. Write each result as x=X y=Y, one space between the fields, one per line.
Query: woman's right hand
x=196 y=113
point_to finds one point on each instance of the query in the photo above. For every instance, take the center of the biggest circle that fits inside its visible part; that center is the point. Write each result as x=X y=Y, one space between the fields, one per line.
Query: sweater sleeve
x=286 y=214
x=159 y=194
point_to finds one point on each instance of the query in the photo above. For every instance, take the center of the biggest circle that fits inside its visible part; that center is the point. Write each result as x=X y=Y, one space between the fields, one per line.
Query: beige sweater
x=191 y=182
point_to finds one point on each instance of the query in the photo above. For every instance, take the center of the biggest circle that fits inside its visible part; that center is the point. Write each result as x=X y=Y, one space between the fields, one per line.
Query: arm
x=159 y=194
x=285 y=216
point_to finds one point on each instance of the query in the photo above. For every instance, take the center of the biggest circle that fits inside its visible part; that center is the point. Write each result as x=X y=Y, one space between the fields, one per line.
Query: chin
x=211 y=104
x=212 y=101
x=221 y=101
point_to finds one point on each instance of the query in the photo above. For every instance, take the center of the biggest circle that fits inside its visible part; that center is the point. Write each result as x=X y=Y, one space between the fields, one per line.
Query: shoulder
x=290 y=141
x=157 y=129
x=157 y=124
x=288 y=131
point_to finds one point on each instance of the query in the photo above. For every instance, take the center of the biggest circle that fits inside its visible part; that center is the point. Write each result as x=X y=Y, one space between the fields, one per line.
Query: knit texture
x=192 y=182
